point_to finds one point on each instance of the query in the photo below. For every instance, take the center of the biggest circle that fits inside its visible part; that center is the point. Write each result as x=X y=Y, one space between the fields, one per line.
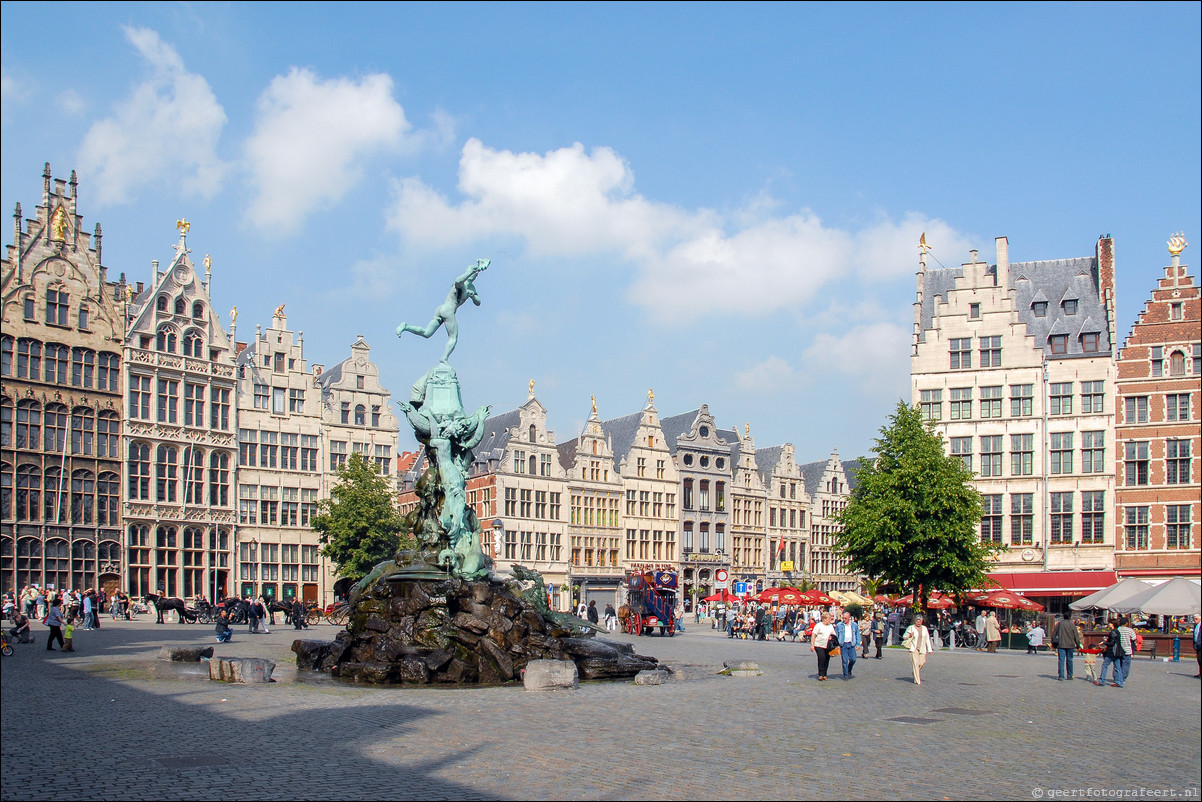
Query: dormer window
x=974 y=311
x=1070 y=307
x=56 y=307
x=1040 y=308
x=198 y=310
x=359 y=383
x=1089 y=342
x=1059 y=343
x=160 y=304
x=83 y=318
x=179 y=306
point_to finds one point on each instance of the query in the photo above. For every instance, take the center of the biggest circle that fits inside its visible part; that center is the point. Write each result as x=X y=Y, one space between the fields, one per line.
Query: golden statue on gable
x=1177 y=243
x=279 y=311
x=58 y=225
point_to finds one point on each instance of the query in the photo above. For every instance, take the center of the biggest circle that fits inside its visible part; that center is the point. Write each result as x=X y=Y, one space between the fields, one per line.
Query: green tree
x=358 y=523
x=912 y=519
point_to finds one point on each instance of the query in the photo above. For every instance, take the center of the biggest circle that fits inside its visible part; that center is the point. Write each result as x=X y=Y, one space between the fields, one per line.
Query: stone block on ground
x=551 y=675
x=310 y=653
x=651 y=678
x=741 y=665
x=241 y=669
x=184 y=654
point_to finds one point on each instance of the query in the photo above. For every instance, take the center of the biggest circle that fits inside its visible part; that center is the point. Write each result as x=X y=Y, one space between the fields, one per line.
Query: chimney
x=154 y=263
x=1105 y=256
x=1003 y=262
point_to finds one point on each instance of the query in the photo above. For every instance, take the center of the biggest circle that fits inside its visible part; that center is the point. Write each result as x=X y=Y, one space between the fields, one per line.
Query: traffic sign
x=740 y=588
x=721 y=579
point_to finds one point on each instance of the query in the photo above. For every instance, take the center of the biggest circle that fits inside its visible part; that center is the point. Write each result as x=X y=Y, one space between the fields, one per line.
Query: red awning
x=1055 y=583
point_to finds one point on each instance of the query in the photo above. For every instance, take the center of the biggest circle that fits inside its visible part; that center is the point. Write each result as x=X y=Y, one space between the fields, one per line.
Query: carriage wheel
x=338 y=615
x=638 y=623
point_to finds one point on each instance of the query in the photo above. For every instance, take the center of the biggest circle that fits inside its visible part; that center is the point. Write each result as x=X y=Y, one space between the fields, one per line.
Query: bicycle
x=966 y=636
x=5 y=647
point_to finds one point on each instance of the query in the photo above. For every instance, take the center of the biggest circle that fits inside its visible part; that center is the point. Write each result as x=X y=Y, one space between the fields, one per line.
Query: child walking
x=68 y=632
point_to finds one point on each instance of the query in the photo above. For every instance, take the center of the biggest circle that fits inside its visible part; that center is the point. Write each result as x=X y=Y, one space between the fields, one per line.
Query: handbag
x=834 y=651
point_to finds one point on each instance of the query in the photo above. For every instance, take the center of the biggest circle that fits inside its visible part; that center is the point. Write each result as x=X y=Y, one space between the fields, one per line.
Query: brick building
x=1158 y=525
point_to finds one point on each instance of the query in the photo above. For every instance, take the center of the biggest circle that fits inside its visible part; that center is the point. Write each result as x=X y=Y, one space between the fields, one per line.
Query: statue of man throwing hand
x=444 y=315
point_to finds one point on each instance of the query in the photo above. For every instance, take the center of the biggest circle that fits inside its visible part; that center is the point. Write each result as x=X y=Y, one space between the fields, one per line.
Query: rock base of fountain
x=453 y=631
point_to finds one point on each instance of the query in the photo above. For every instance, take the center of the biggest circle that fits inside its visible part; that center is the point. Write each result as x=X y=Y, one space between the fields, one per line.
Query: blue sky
x=718 y=201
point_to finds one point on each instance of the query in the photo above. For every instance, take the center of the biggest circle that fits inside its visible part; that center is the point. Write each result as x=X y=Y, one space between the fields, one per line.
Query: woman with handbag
x=917 y=641
x=824 y=643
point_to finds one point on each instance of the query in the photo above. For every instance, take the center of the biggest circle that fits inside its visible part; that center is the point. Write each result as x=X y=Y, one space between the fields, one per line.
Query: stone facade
x=828 y=484
x=703 y=456
x=61 y=401
x=282 y=469
x=1014 y=362
x=595 y=494
x=749 y=546
x=788 y=508
x=180 y=435
x=1158 y=525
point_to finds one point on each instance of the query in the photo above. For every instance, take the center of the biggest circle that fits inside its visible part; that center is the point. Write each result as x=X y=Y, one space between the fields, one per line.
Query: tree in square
x=358 y=523
x=912 y=519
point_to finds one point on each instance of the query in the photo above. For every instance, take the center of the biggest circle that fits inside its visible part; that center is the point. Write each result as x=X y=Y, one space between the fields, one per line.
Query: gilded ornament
x=1177 y=243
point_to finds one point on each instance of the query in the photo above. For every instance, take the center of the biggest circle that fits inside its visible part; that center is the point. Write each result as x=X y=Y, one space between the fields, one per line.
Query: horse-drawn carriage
x=650 y=603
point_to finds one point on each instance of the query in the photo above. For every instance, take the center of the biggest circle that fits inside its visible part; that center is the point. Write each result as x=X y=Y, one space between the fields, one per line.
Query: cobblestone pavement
x=982 y=727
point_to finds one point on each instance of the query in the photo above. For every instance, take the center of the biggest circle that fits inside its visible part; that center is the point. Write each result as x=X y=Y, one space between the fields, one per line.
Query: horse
x=163 y=604
x=276 y=606
x=237 y=610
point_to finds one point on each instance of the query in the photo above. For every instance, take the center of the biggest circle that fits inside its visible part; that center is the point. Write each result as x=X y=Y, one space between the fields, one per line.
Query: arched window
x=139 y=471
x=58 y=563
x=29 y=484
x=6 y=422
x=7 y=345
x=533 y=464
x=56 y=428
x=83 y=434
x=533 y=433
x=29 y=359
x=198 y=310
x=109 y=555
x=107 y=428
x=83 y=367
x=6 y=494
x=360 y=415
x=160 y=303
x=180 y=306
x=166 y=464
x=165 y=340
x=83 y=497
x=193 y=344
x=107 y=486
x=29 y=424
x=83 y=564
x=108 y=374
x=54 y=496
x=58 y=358
x=1177 y=363
x=194 y=476
x=219 y=479
x=29 y=561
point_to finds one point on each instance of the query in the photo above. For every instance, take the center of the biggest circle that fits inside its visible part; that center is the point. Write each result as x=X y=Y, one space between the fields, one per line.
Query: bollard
x=1177 y=649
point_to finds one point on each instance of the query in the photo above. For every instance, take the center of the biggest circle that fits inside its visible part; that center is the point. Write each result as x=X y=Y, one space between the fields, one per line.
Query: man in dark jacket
x=298 y=614
x=1066 y=639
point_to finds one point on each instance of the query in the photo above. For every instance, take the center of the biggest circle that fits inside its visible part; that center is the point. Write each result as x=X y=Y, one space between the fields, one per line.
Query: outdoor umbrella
x=781 y=596
x=1118 y=592
x=881 y=598
x=815 y=597
x=722 y=596
x=1178 y=596
x=941 y=603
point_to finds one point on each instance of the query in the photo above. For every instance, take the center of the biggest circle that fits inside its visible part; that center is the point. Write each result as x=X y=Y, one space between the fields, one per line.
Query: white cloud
x=771 y=374
x=12 y=90
x=877 y=354
x=753 y=260
x=71 y=102
x=310 y=138
x=165 y=132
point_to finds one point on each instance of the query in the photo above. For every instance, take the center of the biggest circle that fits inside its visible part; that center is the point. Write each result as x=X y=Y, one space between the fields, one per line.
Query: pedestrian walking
x=980 y=625
x=865 y=634
x=54 y=620
x=69 y=635
x=611 y=618
x=917 y=641
x=848 y=632
x=1066 y=639
x=261 y=608
x=822 y=640
x=1198 y=642
x=878 y=633
x=1114 y=651
x=252 y=615
x=993 y=632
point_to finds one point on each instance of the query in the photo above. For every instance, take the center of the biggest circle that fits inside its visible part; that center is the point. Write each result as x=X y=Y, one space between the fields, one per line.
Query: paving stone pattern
x=163 y=731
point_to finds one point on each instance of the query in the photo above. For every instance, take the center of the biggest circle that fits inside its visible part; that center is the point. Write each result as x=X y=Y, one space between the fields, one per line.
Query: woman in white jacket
x=822 y=640
x=918 y=641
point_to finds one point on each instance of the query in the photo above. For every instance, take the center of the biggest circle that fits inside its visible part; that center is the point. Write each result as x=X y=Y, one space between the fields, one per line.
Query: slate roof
x=811 y=474
x=765 y=458
x=1061 y=279
x=621 y=432
x=496 y=435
